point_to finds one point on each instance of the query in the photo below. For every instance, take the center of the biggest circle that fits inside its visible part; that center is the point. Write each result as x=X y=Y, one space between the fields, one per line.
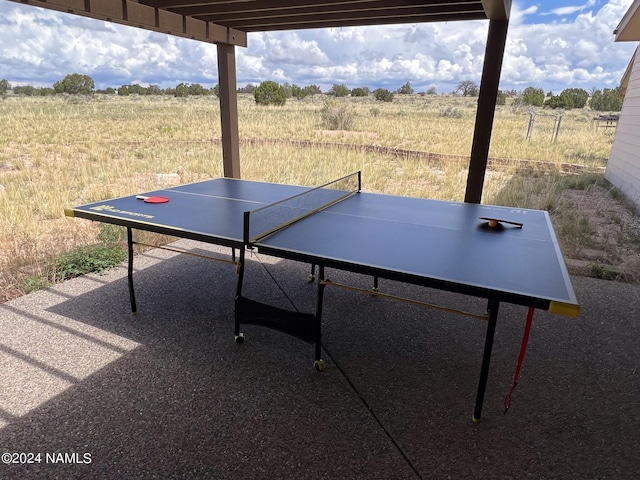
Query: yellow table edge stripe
x=566 y=309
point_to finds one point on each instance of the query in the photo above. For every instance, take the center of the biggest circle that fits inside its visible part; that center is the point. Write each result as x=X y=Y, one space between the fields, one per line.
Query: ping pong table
x=461 y=248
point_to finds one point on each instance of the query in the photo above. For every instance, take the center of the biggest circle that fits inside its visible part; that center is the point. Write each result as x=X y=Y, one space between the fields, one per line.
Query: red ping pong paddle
x=152 y=199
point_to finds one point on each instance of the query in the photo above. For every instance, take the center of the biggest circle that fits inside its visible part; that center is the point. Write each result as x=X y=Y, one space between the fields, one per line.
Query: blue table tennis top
x=443 y=241
x=423 y=241
x=209 y=211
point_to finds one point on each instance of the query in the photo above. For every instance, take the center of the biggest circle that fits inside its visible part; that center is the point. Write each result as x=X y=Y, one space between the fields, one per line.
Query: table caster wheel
x=319 y=365
x=311 y=278
x=239 y=338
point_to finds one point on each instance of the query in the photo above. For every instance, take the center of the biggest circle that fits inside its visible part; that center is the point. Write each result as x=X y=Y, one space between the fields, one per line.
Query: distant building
x=623 y=168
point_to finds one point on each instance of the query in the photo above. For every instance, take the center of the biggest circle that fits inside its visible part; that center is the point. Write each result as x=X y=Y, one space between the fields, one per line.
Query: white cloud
x=40 y=46
x=581 y=53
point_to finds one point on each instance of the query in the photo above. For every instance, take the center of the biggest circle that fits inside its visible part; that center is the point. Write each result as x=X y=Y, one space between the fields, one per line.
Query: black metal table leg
x=317 y=331
x=239 y=338
x=132 y=295
x=486 y=358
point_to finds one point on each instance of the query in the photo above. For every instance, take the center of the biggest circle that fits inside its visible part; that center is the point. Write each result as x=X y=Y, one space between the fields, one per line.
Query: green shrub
x=270 y=93
x=559 y=101
x=578 y=96
x=35 y=283
x=569 y=98
x=383 y=95
x=533 y=96
x=86 y=260
x=182 y=90
x=339 y=90
x=360 y=92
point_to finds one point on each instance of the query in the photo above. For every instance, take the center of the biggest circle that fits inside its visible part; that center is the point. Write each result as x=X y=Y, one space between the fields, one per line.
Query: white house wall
x=623 y=168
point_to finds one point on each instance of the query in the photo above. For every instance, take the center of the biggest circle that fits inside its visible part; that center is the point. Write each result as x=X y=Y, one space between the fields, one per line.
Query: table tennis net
x=268 y=219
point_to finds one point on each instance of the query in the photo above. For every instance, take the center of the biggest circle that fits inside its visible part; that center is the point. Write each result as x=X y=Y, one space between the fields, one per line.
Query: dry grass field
x=61 y=151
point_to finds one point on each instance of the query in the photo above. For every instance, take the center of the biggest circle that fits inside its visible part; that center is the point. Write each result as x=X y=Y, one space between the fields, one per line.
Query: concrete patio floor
x=167 y=393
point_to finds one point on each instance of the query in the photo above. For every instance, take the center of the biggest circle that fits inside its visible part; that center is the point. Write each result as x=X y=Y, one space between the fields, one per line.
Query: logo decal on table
x=111 y=209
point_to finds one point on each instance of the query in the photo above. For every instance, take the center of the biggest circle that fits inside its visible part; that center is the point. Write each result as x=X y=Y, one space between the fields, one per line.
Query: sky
x=551 y=44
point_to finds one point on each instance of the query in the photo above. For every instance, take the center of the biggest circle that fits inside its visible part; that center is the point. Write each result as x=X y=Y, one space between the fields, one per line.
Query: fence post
x=558 y=122
x=532 y=116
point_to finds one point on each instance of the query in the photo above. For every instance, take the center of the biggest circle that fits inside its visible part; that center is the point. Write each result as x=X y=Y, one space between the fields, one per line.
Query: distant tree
x=123 y=90
x=559 y=101
x=405 y=89
x=360 y=92
x=467 y=88
x=197 y=89
x=26 y=90
x=339 y=90
x=293 y=90
x=182 y=90
x=248 y=88
x=4 y=86
x=533 y=96
x=45 y=92
x=607 y=100
x=312 y=90
x=154 y=90
x=269 y=93
x=298 y=92
x=501 y=98
x=579 y=96
x=511 y=93
x=287 y=89
x=569 y=98
x=75 y=84
x=137 y=89
x=431 y=91
x=383 y=95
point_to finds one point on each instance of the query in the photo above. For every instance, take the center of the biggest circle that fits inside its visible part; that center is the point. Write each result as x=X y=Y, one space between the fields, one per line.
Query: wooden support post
x=229 y=110
x=496 y=39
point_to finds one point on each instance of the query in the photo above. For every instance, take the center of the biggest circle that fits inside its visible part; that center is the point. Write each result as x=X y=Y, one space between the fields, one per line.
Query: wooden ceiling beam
x=135 y=14
x=361 y=10
x=260 y=26
x=265 y=7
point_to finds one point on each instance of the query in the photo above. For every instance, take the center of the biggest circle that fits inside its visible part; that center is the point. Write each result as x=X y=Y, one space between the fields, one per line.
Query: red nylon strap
x=523 y=349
